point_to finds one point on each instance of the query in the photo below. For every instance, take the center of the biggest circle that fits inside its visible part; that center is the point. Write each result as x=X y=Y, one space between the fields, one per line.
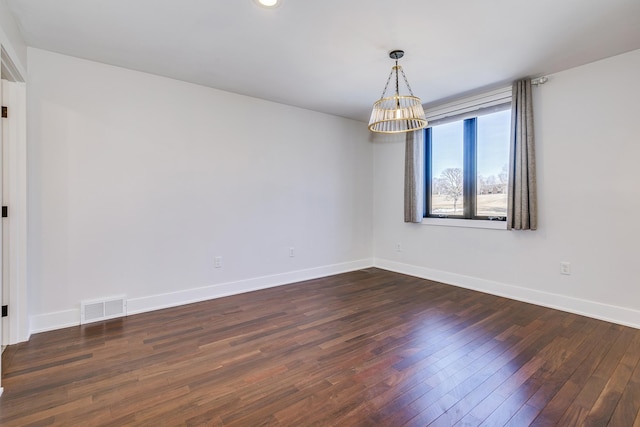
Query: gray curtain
x=414 y=176
x=522 y=208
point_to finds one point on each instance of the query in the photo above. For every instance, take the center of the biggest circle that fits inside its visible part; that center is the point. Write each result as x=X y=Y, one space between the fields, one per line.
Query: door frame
x=14 y=227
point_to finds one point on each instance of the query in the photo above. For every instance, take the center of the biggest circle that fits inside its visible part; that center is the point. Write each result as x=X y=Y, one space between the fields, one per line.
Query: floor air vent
x=95 y=310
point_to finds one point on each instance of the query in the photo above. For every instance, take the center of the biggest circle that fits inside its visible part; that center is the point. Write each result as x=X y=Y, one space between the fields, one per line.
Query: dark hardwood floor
x=367 y=348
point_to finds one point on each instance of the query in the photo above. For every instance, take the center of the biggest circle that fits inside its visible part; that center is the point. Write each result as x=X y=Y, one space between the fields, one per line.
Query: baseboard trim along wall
x=56 y=320
x=620 y=315
x=63 y=319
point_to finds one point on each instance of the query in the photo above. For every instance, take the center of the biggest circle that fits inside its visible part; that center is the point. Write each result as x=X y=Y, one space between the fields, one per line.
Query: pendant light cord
x=404 y=76
x=386 y=86
x=397 y=87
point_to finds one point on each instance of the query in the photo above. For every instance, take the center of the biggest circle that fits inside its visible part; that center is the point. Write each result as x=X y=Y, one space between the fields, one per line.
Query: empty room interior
x=296 y=213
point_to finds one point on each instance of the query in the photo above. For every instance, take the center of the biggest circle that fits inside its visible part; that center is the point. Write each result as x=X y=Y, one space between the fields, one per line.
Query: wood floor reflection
x=366 y=348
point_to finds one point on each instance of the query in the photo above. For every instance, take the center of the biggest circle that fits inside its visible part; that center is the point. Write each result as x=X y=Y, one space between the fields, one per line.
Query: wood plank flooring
x=366 y=348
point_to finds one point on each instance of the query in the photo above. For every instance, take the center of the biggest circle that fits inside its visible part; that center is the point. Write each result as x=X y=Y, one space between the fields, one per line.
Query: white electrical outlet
x=292 y=252
x=565 y=268
x=217 y=262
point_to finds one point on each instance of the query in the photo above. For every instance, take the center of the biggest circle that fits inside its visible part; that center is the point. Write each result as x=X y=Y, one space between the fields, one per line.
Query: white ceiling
x=332 y=55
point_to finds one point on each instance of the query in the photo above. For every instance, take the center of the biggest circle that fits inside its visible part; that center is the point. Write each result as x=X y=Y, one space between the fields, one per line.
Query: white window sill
x=468 y=223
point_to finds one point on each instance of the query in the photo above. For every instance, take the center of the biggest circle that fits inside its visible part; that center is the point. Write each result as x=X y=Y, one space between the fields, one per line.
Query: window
x=466 y=165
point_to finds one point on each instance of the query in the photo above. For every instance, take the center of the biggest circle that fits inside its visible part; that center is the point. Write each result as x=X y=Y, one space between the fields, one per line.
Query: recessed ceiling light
x=268 y=3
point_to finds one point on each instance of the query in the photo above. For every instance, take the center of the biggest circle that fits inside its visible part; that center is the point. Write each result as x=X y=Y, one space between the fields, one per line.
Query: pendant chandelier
x=397 y=113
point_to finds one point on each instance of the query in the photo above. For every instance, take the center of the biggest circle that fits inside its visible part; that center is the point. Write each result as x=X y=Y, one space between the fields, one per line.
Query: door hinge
x=5 y=310
x=5 y=212
x=5 y=112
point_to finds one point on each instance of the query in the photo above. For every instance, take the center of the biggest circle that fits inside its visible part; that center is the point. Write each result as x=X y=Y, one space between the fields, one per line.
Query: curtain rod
x=540 y=80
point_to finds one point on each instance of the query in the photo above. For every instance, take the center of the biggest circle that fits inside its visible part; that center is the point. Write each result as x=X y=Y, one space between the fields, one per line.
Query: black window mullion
x=470 y=126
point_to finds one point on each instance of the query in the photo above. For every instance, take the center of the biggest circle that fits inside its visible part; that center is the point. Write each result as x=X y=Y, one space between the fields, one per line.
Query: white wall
x=136 y=183
x=588 y=148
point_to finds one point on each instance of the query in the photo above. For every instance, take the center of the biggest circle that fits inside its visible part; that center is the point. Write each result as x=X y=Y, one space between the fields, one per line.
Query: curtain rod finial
x=540 y=80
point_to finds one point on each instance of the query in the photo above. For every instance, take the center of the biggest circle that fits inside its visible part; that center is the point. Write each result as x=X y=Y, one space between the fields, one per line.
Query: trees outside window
x=451 y=179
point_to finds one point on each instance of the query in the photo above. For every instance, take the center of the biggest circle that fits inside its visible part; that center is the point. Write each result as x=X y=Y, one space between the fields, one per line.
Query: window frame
x=469 y=171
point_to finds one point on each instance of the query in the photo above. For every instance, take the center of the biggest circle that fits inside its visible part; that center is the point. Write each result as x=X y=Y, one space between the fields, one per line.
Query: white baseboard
x=172 y=299
x=610 y=313
x=62 y=319
x=57 y=320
